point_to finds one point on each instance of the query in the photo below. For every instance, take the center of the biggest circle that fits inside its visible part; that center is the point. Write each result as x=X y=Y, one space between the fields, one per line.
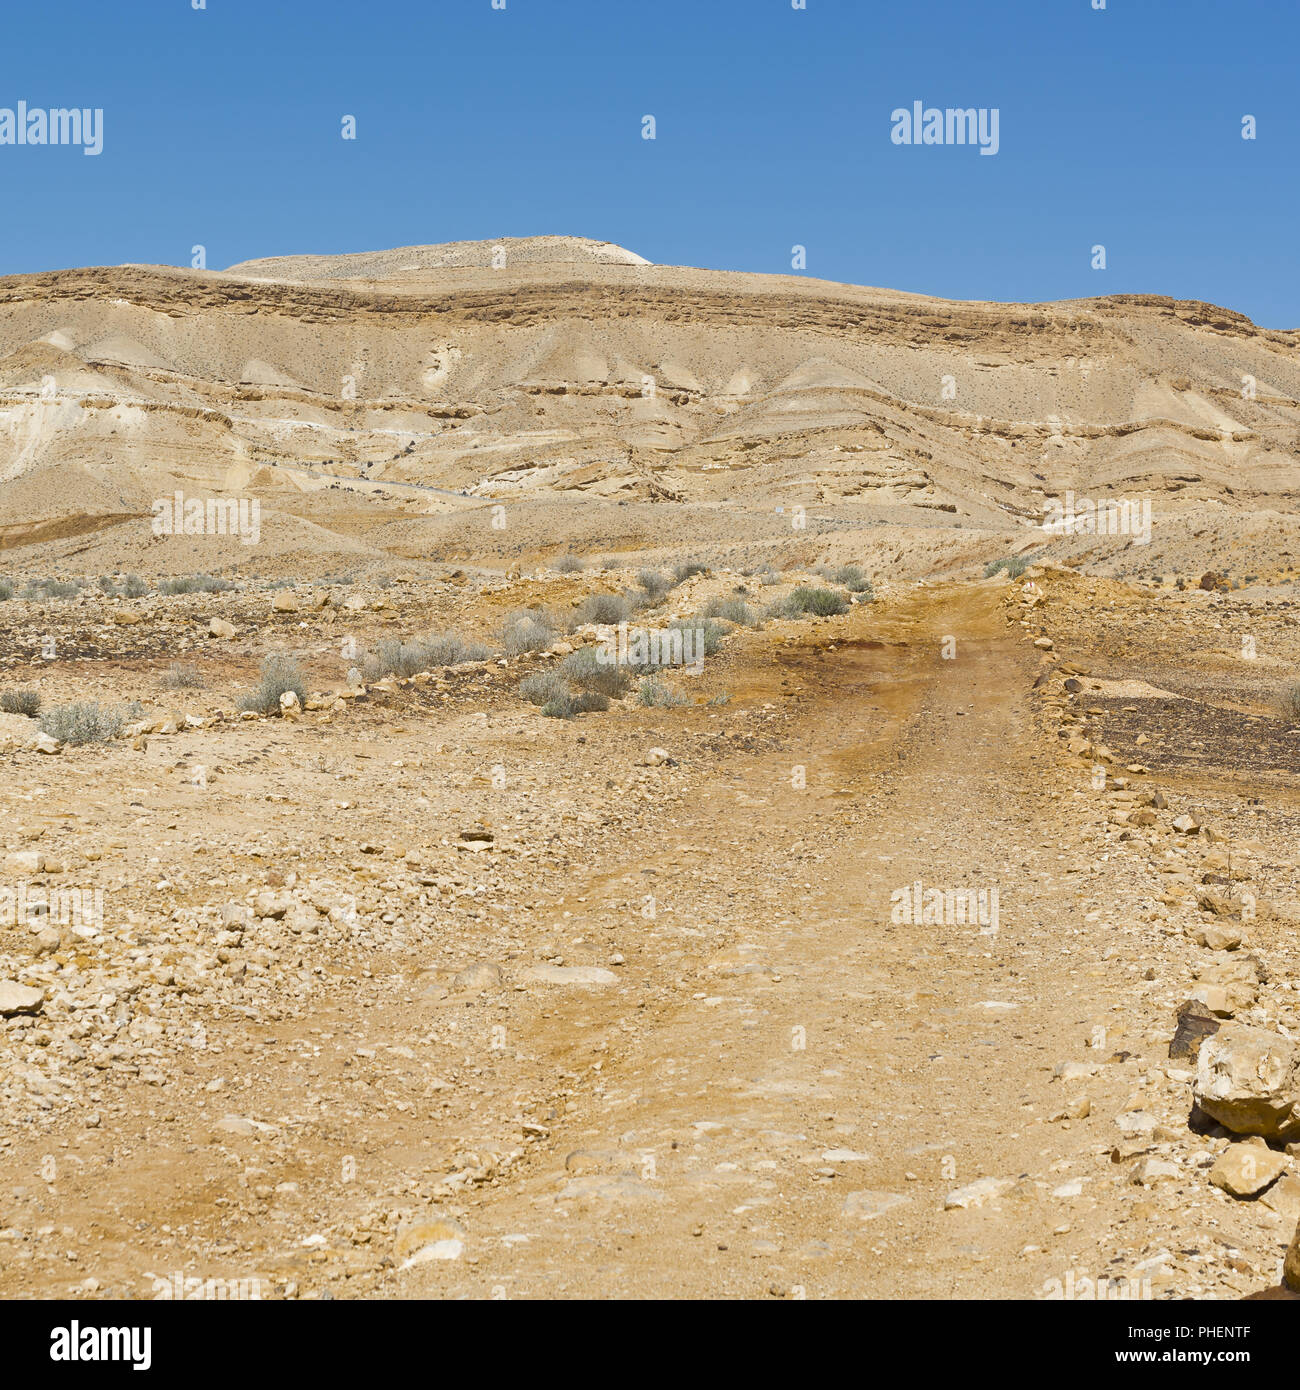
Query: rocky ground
x=408 y=990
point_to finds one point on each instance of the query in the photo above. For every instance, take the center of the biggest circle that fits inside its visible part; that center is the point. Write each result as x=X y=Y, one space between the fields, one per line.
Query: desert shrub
x=559 y=707
x=604 y=608
x=280 y=673
x=106 y=586
x=42 y=590
x=585 y=670
x=853 y=578
x=134 y=587
x=84 y=721
x=712 y=633
x=732 y=610
x=6 y=590
x=181 y=676
x=655 y=695
x=588 y=701
x=569 y=564
x=1289 y=702
x=785 y=607
x=26 y=702
x=194 y=584
x=654 y=584
x=821 y=603
x=687 y=569
x=767 y=577
x=543 y=686
x=446 y=649
x=1013 y=565
x=527 y=630
x=395 y=657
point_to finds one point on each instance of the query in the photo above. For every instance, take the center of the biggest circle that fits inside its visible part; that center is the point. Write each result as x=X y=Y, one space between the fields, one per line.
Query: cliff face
x=540 y=367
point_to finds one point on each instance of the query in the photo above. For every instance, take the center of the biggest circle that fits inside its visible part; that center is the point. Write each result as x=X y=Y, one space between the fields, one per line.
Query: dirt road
x=794 y=1120
x=672 y=1033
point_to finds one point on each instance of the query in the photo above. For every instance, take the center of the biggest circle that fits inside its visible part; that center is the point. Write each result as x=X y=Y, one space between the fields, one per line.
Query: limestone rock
x=1284 y=1197
x=417 y=1236
x=272 y=905
x=867 y=1205
x=1245 y=1170
x=1249 y=1080
x=19 y=999
x=1149 y=1171
x=976 y=1194
x=482 y=975
x=1221 y=936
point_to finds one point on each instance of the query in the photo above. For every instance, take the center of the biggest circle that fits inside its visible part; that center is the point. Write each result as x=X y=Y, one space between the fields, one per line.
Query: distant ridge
x=452 y=255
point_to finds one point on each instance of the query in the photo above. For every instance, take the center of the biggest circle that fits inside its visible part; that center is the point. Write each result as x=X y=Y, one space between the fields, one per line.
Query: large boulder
x=19 y=999
x=1249 y=1080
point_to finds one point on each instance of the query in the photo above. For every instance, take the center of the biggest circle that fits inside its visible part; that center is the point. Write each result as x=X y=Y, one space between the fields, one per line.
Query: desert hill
x=360 y=395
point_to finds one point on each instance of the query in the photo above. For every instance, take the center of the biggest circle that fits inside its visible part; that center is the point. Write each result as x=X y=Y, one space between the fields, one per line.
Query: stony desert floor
x=936 y=936
x=412 y=991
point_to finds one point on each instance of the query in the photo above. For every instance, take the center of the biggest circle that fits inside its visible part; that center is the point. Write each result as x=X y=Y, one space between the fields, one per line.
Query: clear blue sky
x=1120 y=127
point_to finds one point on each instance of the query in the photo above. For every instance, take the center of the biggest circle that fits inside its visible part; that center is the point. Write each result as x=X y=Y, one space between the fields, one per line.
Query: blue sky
x=1119 y=126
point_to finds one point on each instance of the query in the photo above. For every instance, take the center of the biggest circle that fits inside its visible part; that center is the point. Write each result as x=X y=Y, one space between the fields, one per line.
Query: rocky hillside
x=546 y=369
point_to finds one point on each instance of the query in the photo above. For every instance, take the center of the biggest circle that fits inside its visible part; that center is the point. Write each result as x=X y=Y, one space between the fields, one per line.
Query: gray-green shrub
x=655 y=695
x=527 y=630
x=84 y=721
x=26 y=702
x=1013 y=565
x=42 y=590
x=732 y=610
x=543 y=686
x=604 y=608
x=585 y=670
x=280 y=673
